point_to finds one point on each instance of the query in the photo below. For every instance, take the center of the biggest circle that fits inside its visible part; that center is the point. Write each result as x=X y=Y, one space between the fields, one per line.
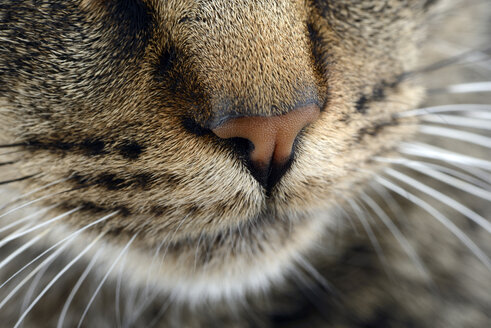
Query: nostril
x=269 y=175
x=272 y=139
x=243 y=147
x=266 y=174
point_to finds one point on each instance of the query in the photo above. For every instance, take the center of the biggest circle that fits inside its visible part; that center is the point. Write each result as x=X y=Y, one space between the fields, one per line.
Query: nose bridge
x=247 y=68
x=259 y=83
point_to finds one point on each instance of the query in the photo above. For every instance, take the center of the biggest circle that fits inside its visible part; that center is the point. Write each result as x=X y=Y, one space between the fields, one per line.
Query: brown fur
x=119 y=103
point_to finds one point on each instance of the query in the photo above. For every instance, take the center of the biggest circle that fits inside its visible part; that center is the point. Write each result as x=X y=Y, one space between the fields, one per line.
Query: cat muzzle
x=272 y=137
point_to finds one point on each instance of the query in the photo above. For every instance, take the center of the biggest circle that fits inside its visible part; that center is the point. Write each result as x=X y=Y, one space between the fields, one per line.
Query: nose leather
x=272 y=136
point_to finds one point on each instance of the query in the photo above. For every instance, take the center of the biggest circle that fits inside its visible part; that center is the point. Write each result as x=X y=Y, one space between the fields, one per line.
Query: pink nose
x=272 y=136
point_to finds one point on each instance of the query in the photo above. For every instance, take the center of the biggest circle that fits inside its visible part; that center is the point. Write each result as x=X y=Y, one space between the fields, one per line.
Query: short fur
x=115 y=100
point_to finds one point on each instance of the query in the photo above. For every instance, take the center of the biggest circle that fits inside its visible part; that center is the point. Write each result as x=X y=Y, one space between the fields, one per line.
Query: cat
x=244 y=163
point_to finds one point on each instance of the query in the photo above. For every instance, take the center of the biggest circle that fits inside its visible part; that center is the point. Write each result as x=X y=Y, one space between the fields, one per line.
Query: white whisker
x=161 y=312
x=466 y=88
x=371 y=235
x=117 y=296
x=483 y=175
x=478 y=219
x=47 y=261
x=130 y=304
x=152 y=266
x=406 y=246
x=445 y=108
x=76 y=287
x=424 y=150
x=485 y=115
x=33 y=192
x=30 y=291
x=348 y=217
x=196 y=252
x=457 y=120
x=144 y=303
x=456 y=134
x=30 y=203
x=458 y=174
x=314 y=273
x=149 y=297
x=427 y=170
x=27 y=218
x=387 y=197
x=66 y=239
x=43 y=224
x=55 y=279
x=440 y=217
x=21 y=249
x=18 y=231
x=123 y=251
x=480 y=60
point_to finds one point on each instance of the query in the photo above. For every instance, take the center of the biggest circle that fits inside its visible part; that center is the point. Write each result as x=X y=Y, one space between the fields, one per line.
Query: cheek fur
x=108 y=149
